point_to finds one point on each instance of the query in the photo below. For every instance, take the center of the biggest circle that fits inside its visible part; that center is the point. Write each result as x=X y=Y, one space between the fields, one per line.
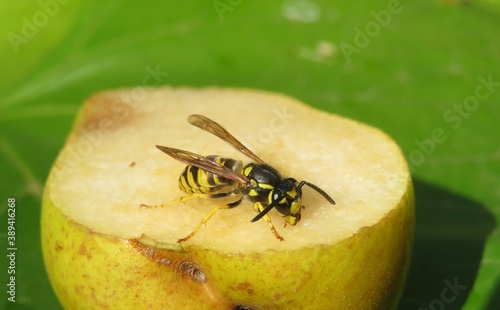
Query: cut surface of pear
x=340 y=254
x=98 y=186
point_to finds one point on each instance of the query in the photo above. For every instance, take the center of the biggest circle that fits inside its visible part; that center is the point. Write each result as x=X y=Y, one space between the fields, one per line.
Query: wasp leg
x=259 y=208
x=187 y=198
x=209 y=215
x=182 y=199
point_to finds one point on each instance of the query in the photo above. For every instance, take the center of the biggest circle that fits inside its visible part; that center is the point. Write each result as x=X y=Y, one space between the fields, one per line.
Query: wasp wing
x=204 y=163
x=214 y=128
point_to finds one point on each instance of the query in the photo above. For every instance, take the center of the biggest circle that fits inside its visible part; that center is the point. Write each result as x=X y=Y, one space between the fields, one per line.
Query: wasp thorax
x=263 y=179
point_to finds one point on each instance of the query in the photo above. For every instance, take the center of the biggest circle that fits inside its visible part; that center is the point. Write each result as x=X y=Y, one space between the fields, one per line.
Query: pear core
x=110 y=166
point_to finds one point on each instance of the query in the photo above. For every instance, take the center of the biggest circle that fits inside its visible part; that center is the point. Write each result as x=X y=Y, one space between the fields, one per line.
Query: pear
x=103 y=251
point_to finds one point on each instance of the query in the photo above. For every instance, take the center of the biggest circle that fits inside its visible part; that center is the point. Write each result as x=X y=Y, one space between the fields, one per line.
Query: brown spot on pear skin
x=185 y=267
x=78 y=289
x=129 y=284
x=247 y=287
x=192 y=271
x=58 y=247
x=157 y=256
x=189 y=273
x=83 y=251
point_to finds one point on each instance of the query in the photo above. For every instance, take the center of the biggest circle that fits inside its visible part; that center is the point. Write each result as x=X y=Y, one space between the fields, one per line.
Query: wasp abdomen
x=194 y=180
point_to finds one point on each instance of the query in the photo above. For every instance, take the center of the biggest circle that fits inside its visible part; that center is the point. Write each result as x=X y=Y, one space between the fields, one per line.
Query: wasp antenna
x=266 y=210
x=318 y=190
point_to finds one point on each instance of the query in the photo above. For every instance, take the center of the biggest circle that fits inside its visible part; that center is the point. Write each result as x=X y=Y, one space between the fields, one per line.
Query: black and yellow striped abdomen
x=194 y=180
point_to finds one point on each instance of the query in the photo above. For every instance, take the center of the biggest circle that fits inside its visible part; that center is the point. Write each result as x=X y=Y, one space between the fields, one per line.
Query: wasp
x=216 y=176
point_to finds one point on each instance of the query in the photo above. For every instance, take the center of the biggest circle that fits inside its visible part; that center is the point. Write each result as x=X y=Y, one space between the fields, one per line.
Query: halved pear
x=102 y=250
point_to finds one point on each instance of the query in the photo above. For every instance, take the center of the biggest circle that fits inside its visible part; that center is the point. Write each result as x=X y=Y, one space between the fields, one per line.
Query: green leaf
x=426 y=72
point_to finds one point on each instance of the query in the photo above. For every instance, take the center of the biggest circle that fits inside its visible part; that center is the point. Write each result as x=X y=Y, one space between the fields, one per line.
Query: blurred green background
x=426 y=72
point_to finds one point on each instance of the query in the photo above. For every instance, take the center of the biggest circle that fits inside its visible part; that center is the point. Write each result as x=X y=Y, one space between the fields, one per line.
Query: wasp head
x=287 y=200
